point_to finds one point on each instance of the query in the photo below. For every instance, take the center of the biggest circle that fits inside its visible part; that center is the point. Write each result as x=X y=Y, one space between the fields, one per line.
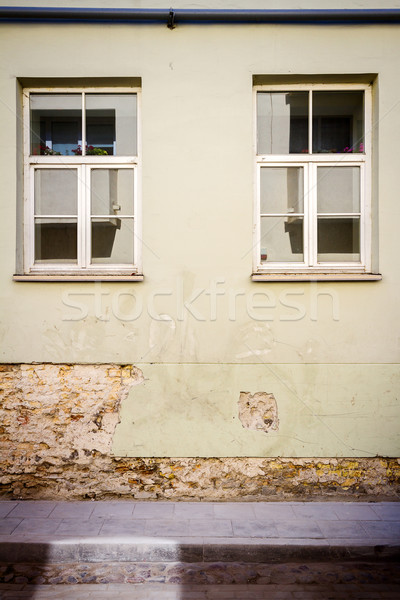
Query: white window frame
x=310 y=162
x=84 y=166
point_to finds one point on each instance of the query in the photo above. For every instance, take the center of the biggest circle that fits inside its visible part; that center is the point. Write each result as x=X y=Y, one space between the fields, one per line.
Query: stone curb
x=192 y=551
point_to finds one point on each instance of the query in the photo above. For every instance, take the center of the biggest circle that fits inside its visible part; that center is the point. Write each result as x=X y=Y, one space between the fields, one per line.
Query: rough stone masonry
x=57 y=423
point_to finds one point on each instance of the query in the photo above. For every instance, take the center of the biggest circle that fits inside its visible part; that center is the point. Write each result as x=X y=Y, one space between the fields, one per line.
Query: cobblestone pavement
x=211 y=592
x=329 y=572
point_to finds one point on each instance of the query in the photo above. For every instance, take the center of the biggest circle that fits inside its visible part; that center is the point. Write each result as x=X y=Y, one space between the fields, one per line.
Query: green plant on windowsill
x=90 y=150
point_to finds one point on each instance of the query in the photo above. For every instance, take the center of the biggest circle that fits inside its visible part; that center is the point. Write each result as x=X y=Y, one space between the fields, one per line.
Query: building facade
x=199 y=275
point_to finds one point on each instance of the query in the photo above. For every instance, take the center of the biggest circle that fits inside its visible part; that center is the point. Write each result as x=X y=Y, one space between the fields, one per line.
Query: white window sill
x=79 y=278
x=272 y=277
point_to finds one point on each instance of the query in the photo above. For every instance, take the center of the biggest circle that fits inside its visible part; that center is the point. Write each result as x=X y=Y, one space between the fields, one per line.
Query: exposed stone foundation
x=57 y=423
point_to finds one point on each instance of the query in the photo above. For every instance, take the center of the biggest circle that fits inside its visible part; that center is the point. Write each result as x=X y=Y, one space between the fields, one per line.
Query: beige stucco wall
x=197 y=195
x=322 y=410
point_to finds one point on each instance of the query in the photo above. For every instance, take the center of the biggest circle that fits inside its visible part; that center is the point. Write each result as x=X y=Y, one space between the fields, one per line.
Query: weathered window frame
x=84 y=165
x=310 y=268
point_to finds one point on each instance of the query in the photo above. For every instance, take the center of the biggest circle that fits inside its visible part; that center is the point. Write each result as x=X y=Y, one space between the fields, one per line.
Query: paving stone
x=8 y=525
x=342 y=529
x=39 y=508
x=122 y=527
x=273 y=511
x=206 y=527
x=255 y=529
x=72 y=510
x=389 y=511
x=299 y=529
x=74 y=527
x=39 y=526
x=234 y=510
x=315 y=510
x=6 y=507
x=382 y=529
x=152 y=510
x=194 y=510
x=353 y=511
x=118 y=510
x=166 y=527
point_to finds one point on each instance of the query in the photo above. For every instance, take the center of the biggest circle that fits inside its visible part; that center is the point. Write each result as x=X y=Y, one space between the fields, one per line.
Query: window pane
x=56 y=191
x=112 y=240
x=112 y=191
x=55 y=241
x=338 y=121
x=281 y=239
x=56 y=123
x=338 y=189
x=111 y=124
x=338 y=239
x=282 y=122
x=281 y=190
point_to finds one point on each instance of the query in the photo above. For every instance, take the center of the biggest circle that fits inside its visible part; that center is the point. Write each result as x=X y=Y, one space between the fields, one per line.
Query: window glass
x=112 y=240
x=55 y=240
x=338 y=121
x=56 y=191
x=112 y=196
x=338 y=189
x=112 y=191
x=56 y=123
x=55 y=195
x=282 y=122
x=281 y=190
x=111 y=124
x=282 y=239
x=338 y=239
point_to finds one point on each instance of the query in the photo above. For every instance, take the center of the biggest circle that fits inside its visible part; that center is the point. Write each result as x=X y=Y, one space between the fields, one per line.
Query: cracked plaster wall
x=57 y=424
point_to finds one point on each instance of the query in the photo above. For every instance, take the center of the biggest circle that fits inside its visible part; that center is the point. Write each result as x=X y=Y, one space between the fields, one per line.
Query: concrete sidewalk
x=206 y=526
x=326 y=524
x=310 y=525
x=135 y=542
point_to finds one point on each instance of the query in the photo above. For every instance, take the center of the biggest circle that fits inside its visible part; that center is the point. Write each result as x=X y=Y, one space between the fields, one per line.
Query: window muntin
x=321 y=222
x=81 y=181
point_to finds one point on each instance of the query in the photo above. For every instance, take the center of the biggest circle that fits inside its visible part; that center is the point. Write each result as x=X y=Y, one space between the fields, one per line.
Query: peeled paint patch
x=258 y=411
x=60 y=412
